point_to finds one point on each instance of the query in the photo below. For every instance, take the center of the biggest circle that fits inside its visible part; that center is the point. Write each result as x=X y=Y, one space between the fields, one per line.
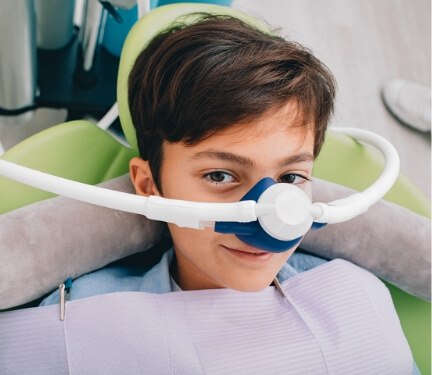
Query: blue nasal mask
x=254 y=234
x=271 y=216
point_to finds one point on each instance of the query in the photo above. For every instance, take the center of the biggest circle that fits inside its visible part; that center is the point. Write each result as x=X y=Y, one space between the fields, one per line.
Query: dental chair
x=81 y=151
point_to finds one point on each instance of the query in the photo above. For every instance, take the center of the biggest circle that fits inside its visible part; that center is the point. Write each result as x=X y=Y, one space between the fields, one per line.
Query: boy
x=235 y=112
x=217 y=106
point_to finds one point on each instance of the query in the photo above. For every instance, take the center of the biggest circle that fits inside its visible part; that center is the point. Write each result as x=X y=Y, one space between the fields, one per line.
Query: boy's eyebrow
x=297 y=158
x=225 y=156
x=247 y=162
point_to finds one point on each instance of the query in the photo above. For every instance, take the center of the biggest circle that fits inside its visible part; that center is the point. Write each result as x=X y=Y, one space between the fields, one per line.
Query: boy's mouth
x=248 y=253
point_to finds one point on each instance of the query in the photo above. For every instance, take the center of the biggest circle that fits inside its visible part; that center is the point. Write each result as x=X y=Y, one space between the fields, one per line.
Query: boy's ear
x=141 y=177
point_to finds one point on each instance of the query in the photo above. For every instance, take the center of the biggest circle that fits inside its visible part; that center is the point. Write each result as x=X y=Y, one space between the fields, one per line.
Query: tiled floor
x=363 y=42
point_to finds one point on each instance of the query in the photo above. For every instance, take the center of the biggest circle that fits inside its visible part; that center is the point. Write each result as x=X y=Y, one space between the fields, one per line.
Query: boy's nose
x=285 y=219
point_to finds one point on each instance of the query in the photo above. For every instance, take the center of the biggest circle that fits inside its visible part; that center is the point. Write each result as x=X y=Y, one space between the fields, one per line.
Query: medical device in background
x=61 y=64
x=18 y=57
x=271 y=216
x=58 y=46
x=54 y=23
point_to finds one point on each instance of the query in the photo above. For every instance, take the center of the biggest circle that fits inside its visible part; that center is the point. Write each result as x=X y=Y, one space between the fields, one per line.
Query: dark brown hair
x=193 y=81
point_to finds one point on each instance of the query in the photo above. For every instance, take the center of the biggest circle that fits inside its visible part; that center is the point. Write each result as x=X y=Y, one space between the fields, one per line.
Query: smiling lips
x=249 y=254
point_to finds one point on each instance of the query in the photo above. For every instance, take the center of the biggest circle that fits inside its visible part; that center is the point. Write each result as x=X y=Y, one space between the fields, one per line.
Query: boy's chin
x=251 y=287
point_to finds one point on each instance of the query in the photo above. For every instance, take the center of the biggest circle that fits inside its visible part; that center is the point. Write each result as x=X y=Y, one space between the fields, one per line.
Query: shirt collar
x=159 y=280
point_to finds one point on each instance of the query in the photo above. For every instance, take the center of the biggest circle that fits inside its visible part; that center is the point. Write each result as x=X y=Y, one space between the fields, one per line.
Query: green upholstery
x=77 y=150
x=81 y=151
x=346 y=162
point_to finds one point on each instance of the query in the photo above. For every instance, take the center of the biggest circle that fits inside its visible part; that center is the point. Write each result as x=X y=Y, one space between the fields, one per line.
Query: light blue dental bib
x=333 y=319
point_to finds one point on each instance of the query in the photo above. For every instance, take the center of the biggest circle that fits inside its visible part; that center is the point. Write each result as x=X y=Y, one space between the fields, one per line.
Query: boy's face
x=223 y=168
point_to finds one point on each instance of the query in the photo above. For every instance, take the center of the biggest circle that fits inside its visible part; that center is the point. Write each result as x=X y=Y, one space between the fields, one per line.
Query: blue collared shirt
x=157 y=279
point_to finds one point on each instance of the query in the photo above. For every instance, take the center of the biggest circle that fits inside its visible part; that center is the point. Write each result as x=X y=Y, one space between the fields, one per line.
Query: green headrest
x=142 y=33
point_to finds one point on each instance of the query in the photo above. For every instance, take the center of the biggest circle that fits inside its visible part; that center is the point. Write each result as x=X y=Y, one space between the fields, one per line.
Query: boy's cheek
x=307 y=188
x=201 y=246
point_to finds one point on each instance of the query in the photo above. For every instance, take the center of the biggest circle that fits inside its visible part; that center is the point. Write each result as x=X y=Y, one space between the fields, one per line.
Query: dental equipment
x=271 y=216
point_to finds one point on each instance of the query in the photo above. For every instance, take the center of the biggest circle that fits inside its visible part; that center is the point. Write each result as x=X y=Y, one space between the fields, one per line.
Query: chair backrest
x=77 y=150
x=342 y=160
x=349 y=163
x=148 y=27
x=81 y=151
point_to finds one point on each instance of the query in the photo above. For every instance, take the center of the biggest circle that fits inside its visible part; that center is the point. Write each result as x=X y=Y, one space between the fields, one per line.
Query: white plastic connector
x=291 y=217
x=197 y=215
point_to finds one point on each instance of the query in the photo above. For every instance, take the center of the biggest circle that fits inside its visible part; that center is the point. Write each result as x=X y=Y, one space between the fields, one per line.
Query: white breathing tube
x=183 y=213
x=198 y=215
x=345 y=209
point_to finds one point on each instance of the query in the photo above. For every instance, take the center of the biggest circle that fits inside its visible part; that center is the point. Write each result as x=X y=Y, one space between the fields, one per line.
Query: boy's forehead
x=273 y=140
x=274 y=137
x=287 y=122
x=288 y=117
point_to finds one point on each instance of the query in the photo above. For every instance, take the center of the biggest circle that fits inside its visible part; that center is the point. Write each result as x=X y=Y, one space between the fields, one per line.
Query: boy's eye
x=219 y=177
x=293 y=178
